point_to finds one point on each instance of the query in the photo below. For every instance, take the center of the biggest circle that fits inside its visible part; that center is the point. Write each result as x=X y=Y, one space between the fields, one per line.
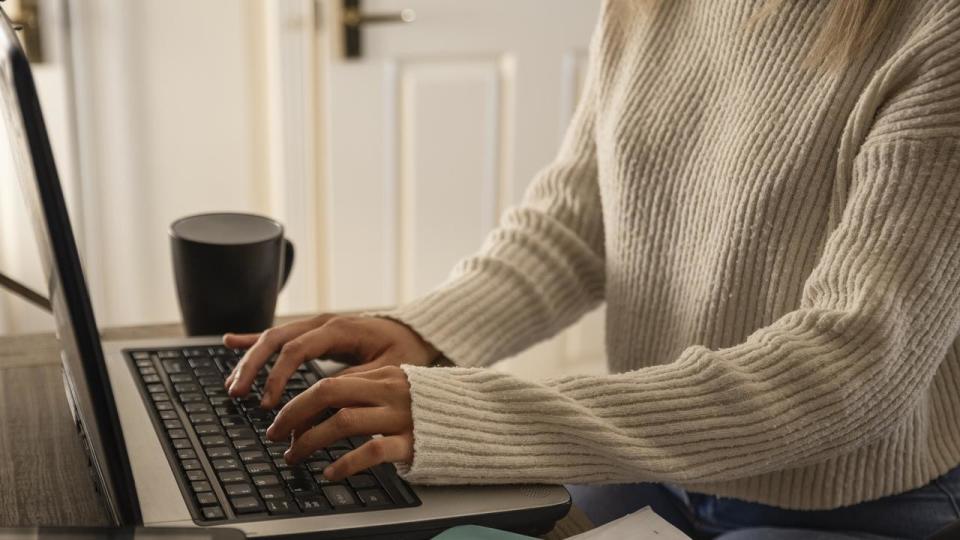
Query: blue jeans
x=914 y=514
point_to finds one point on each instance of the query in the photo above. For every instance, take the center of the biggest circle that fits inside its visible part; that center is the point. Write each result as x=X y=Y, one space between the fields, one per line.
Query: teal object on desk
x=474 y=532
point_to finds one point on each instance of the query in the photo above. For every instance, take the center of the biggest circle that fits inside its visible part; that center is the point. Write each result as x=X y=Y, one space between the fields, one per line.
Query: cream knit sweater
x=779 y=251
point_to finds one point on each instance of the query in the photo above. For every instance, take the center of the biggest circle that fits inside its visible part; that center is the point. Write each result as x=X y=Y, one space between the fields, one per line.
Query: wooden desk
x=44 y=478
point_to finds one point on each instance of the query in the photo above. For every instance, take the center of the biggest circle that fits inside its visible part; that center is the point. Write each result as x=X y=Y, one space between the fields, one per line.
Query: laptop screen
x=85 y=373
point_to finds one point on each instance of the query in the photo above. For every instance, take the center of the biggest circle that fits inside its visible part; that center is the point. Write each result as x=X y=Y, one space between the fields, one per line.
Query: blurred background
x=387 y=135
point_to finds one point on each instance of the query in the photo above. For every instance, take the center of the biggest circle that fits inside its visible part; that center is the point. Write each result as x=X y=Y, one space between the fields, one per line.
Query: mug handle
x=287 y=261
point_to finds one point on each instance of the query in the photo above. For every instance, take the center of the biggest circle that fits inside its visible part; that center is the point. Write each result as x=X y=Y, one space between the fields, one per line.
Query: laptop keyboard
x=217 y=445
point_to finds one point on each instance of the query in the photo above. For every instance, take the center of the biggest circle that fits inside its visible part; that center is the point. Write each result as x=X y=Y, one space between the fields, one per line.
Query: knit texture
x=777 y=247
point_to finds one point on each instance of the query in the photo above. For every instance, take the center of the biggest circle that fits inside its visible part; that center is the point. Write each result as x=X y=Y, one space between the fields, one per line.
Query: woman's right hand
x=374 y=341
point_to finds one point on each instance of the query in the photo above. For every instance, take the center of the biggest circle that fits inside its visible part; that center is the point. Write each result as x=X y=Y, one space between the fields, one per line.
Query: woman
x=767 y=197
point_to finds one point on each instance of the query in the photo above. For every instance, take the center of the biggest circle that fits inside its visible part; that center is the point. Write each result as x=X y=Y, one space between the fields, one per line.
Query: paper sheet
x=641 y=525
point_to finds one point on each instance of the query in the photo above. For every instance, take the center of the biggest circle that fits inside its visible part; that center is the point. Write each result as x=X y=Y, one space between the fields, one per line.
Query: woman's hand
x=370 y=402
x=375 y=342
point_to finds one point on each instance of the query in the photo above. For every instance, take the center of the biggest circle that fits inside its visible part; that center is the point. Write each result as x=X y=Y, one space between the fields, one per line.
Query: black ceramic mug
x=229 y=269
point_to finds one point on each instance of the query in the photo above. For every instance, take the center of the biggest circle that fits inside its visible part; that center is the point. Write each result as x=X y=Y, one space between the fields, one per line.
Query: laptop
x=168 y=447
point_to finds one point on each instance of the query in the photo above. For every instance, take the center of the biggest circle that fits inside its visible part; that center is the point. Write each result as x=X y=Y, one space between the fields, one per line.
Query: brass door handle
x=354 y=18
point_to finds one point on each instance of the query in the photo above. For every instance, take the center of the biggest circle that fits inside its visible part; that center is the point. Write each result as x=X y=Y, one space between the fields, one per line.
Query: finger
x=332 y=338
x=362 y=368
x=325 y=394
x=267 y=344
x=393 y=449
x=346 y=423
x=240 y=341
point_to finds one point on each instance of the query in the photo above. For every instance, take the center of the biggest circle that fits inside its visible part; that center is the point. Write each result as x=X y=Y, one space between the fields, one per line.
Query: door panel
x=434 y=131
x=442 y=102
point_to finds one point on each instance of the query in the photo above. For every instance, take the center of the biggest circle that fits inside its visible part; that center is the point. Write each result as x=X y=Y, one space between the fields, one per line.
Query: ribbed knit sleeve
x=539 y=270
x=877 y=317
x=843 y=370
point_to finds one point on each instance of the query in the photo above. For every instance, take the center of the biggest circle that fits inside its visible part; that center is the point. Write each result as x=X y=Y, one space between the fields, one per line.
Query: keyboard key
x=140 y=355
x=206 y=499
x=281 y=507
x=200 y=363
x=240 y=433
x=260 y=415
x=151 y=378
x=174 y=366
x=226 y=410
x=258 y=468
x=159 y=396
x=246 y=505
x=373 y=497
x=337 y=454
x=172 y=424
x=190 y=465
x=207 y=429
x=265 y=480
x=213 y=440
x=177 y=434
x=219 y=452
x=281 y=463
x=206 y=372
x=186 y=453
x=339 y=496
x=245 y=444
x=220 y=401
x=168 y=354
x=168 y=415
x=164 y=406
x=148 y=371
x=225 y=464
x=231 y=476
x=312 y=503
x=186 y=387
x=275 y=450
x=323 y=480
x=362 y=481
x=236 y=490
x=198 y=408
x=202 y=418
x=211 y=381
x=196 y=352
x=196 y=476
x=250 y=456
x=317 y=466
x=181 y=444
x=232 y=421
x=212 y=512
x=215 y=391
x=192 y=398
x=200 y=487
x=181 y=377
x=271 y=493
x=301 y=485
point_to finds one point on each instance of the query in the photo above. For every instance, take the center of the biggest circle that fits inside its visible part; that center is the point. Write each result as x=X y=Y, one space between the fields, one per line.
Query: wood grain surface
x=44 y=479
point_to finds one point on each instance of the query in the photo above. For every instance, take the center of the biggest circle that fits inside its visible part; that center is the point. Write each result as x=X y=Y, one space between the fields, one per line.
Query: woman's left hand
x=370 y=402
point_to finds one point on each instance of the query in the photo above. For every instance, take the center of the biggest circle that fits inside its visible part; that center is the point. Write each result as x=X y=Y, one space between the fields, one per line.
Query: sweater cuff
x=470 y=320
x=469 y=442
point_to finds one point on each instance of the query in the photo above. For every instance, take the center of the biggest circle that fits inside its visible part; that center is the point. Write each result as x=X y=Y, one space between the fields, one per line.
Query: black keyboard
x=217 y=445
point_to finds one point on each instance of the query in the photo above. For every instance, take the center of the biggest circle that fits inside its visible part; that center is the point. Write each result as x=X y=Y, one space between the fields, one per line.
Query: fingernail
x=265 y=401
x=328 y=472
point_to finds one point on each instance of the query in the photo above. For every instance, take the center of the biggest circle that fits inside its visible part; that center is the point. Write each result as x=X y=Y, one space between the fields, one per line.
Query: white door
x=433 y=131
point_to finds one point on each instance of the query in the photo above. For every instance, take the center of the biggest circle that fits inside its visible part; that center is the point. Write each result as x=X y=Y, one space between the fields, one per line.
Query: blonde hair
x=850 y=30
